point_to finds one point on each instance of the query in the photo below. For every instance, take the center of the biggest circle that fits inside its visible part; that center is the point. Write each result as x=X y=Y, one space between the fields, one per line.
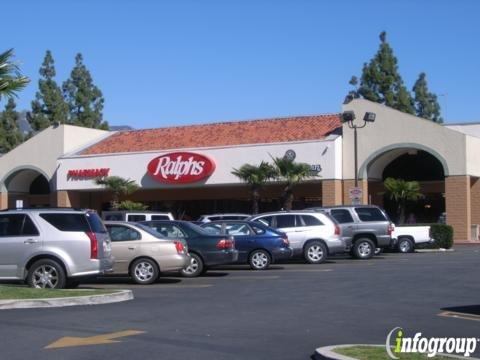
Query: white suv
x=135 y=216
x=312 y=235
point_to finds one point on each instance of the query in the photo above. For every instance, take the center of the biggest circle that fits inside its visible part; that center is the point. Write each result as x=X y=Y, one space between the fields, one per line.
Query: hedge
x=442 y=234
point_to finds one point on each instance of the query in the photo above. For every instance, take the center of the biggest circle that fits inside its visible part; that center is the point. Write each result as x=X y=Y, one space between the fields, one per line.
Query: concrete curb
x=434 y=250
x=327 y=353
x=117 y=296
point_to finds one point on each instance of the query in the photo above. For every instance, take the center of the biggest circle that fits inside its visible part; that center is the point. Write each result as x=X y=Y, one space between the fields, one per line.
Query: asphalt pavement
x=282 y=313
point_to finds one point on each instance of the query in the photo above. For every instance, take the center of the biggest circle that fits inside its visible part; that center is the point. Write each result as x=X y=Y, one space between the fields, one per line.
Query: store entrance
x=191 y=203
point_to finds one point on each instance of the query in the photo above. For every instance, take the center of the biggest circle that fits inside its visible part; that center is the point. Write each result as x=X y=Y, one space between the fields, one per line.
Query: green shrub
x=442 y=234
x=132 y=206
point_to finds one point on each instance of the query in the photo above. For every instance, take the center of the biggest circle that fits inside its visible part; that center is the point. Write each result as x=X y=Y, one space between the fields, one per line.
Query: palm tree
x=402 y=191
x=132 y=206
x=11 y=80
x=255 y=176
x=118 y=186
x=292 y=173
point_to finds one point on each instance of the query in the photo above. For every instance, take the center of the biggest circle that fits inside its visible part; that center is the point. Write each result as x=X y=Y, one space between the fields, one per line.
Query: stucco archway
x=408 y=162
x=28 y=184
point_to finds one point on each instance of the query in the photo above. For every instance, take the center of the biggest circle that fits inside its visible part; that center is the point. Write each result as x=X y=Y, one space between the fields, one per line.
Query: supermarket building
x=188 y=169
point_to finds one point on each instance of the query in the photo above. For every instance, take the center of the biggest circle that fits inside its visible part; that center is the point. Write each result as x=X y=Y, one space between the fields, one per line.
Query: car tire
x=363 y=249
x=315 y=252
x=195 y=268
x=259 y=260
x=378 y=251
x=405 y=245
x=46 y=274
x=144 y=271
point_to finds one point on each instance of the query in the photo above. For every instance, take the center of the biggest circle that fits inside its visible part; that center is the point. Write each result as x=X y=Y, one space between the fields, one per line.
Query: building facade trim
x=363 y=171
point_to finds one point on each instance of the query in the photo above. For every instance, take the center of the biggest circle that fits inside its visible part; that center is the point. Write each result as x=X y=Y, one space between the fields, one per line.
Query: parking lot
x=282 y=313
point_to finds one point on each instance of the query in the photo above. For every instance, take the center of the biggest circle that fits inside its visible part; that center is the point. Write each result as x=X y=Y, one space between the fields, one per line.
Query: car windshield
x=151 y=231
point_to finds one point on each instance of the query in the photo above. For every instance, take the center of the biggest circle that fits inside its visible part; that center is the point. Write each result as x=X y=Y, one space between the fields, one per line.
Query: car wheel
x=195 y=268
x=259 y=260
x=378 y=251
x=364 y=249
x=46 y=274
x=405 y=245
x=315 y=252
x=144 y=271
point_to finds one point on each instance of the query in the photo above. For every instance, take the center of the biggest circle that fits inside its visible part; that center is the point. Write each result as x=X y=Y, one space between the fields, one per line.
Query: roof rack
x=45 y=208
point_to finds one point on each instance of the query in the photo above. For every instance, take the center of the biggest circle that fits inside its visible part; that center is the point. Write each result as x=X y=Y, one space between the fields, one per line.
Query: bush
x=441 y=233
x=132 y=206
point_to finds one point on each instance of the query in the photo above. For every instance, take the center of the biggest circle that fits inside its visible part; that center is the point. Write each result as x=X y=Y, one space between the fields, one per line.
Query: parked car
x=312 y=235
x=134 y=216
x=143 y=253
x=407 y=237
x=216 y=217
x=205 y=249
x=257 y=244
x=53 y=248
x=364 y=228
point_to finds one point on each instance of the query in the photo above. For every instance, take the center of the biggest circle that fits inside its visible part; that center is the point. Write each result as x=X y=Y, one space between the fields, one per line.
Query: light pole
x=349 y=117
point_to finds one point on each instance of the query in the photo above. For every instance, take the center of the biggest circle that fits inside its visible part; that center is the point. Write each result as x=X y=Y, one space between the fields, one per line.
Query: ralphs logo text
x=429 y=346
x=180 y=168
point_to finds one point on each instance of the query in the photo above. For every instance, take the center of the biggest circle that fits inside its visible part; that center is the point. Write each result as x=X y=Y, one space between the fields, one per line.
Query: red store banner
x=181 y=168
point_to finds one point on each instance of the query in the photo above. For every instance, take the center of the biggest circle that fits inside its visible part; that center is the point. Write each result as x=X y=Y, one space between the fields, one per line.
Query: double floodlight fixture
x=349 y=117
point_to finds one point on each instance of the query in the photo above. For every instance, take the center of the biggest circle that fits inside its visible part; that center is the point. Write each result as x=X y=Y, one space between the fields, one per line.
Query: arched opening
x=409 y=164
x=30 y=186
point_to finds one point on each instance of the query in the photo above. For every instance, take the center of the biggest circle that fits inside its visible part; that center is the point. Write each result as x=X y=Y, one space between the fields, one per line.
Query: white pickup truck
x=409 y=236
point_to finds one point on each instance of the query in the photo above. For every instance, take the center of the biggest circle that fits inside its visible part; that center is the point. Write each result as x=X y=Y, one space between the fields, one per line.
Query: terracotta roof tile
x=219 y=134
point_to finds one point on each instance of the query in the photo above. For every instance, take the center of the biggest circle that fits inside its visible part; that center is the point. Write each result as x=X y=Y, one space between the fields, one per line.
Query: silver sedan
x=143 y=253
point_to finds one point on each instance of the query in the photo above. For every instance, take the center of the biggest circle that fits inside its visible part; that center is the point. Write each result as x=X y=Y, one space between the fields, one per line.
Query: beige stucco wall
x=76 y=137
x=473 y=155
x=41 y=152
x=393 y=129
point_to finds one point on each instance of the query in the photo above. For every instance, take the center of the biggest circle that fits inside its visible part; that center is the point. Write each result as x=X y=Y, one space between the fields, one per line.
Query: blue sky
x=160 y=63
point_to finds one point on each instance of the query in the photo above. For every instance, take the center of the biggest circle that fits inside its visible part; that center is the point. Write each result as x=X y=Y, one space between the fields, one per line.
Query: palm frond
x=11 y=80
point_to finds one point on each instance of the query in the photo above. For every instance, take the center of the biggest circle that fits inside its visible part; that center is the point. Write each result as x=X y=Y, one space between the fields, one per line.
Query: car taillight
x=93 y=245
x=390 y=229
x=285 y=241
x=337 y=229
x=179 y=246
x=225 y=244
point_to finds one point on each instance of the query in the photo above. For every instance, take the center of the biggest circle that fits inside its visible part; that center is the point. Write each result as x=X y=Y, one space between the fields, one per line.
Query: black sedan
x=204 y=248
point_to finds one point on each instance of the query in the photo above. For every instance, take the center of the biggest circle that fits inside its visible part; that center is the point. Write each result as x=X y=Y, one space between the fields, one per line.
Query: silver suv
x=312 y=235
x=364 y=228
x=53 y=248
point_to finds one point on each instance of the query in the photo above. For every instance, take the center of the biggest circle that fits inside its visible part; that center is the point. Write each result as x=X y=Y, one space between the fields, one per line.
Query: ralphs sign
x=180 y=168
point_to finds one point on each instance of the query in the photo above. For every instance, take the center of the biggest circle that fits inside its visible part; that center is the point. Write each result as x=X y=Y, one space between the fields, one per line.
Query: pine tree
x=381 y=82
x=10 y=135
x=84 y=99
x=426 y=103
x=403 y=100
x=49 y=106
